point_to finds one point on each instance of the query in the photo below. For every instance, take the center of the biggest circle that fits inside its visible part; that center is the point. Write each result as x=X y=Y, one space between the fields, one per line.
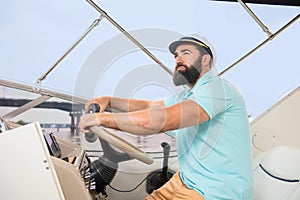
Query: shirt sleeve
x=170 y=100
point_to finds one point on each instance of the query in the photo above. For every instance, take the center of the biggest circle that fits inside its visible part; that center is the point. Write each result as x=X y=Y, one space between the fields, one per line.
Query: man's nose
x=179 y=60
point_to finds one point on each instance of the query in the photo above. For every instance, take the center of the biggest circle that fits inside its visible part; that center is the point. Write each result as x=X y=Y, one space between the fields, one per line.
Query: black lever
x=166 y=149
x=159 y=177
x=91 y=137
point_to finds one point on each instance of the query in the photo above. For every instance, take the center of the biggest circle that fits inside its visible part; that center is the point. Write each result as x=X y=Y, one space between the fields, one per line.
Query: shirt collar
x=204 y=79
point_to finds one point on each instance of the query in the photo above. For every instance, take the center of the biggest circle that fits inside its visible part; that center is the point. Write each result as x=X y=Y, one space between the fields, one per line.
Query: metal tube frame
x=123 y=31
x=103 y=13
x=261 y=44
x=90 y=28
x=264 y=28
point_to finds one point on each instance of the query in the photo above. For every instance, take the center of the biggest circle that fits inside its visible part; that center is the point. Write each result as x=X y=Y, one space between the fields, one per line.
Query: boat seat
x=277 y=174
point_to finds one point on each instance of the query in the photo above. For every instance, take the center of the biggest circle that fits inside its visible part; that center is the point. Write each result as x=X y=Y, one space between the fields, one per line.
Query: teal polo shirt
x=215 y=157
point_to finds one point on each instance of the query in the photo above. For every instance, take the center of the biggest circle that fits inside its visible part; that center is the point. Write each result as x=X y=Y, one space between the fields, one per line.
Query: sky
x=36 y=33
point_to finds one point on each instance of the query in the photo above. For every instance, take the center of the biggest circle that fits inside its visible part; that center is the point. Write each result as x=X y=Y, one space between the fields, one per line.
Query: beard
x=190 y=75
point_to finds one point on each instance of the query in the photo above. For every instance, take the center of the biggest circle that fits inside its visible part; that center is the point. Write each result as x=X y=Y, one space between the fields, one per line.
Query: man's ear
x=205 y=60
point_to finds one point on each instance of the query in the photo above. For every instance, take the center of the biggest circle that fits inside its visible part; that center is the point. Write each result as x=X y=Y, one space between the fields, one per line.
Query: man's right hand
x=103 y=102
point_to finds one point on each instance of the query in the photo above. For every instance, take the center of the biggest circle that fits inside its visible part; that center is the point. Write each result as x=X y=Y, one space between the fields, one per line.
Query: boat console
x=38 y=166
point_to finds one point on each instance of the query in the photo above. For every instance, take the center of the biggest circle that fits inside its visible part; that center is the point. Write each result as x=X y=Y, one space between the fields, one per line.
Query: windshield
x=35 y=35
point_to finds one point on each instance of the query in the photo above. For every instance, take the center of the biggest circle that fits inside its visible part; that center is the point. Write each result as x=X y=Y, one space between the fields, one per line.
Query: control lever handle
x=166 y=150
x=92 y=137
x=159 y=177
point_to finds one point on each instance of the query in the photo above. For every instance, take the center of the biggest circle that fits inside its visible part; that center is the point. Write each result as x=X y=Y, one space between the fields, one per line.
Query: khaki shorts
x=174 y=189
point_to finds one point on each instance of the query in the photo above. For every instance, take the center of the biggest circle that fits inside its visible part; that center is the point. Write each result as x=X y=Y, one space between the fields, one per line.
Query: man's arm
x=155 y=119
x=123 y=104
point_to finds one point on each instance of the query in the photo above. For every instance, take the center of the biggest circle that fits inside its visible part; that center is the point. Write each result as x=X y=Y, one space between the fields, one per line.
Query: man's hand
x=103 y=102
x=86 y=121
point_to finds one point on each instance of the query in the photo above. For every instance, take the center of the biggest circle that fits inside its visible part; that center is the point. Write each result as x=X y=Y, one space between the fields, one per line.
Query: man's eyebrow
x=184 y=50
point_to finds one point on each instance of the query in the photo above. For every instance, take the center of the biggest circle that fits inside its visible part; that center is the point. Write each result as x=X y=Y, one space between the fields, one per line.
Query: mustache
x=180 y=65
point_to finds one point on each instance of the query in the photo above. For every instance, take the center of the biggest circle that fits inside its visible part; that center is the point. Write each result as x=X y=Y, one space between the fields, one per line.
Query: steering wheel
x=121 y=144
x=104 y=169
x=108 y=137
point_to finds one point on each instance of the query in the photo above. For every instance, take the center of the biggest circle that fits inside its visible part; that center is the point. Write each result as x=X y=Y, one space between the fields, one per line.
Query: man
x=208 y=119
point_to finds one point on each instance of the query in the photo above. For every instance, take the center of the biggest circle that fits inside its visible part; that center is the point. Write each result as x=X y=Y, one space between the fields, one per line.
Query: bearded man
x=208 y=119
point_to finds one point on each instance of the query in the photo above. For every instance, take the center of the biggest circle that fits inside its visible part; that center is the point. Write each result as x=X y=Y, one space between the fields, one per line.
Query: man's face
x=188 y=65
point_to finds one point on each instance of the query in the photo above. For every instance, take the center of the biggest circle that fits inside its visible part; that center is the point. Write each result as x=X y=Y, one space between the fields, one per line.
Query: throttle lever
x=92 y=137
x=166 y=149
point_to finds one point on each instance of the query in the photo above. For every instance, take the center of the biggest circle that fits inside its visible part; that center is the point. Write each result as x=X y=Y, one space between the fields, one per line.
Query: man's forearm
x=145 y=122
x=131 y=105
